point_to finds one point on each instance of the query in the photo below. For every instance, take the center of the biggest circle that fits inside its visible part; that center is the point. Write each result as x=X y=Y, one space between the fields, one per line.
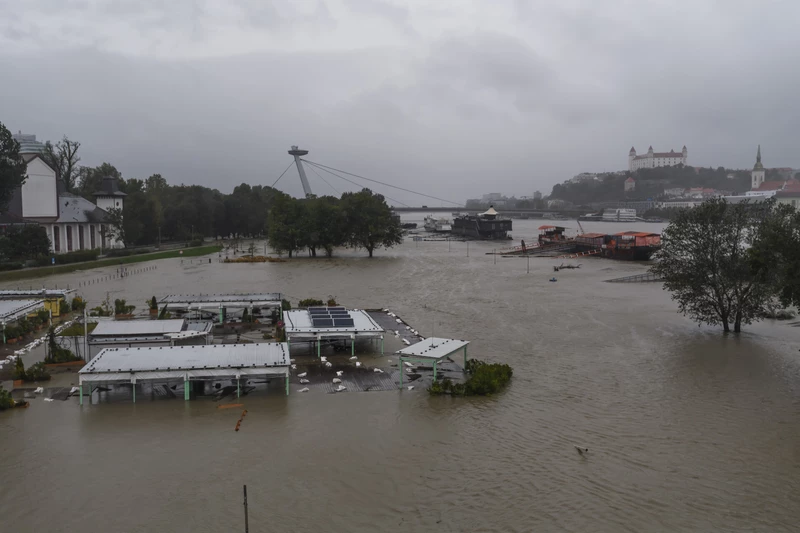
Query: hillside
x=651 y=182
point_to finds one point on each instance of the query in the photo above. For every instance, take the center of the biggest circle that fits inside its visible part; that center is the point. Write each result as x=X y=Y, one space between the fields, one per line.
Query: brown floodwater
x=688 y=429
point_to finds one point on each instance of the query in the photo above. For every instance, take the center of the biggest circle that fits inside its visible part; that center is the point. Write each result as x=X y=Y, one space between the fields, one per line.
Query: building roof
x=547 y=227
x=433 y=348
x=777 y=185
x=175 y=362
x=34 y=293
x=490 y=212
x=11 y=310
x=630 y=180
x=671 y=153
x=299 y=322
x=72 y=208
x=138 y=327
x=210 y=301
x=788 y=194
x=638 y=234
x=109 y=187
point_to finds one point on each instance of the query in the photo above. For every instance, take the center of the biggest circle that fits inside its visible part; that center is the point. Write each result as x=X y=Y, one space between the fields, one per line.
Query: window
x=56 y=238
x=69 y=238
x=102 y=236
x=80 y=238
x=91 y=237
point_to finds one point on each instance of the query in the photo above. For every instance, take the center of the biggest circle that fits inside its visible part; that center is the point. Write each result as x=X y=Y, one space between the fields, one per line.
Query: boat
x=437 y=225
x=591 y=217
x=626 y=245
x=485 y=225
x=619 y=215
x=409 y=225
x=552 y=235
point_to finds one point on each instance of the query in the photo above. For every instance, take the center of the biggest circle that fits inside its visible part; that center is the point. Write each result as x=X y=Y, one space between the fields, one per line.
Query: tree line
x=155 y=211
x=356 y=220
x=732 y=264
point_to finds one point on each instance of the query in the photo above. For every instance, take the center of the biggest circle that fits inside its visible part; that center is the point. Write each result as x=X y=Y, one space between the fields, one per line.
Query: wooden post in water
x=246 y=524
x=529 y=263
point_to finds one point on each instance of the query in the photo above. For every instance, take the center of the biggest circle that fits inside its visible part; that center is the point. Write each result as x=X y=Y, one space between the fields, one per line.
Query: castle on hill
x=656 y=159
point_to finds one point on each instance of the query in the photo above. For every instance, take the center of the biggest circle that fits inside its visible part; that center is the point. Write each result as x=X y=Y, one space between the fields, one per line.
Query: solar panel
x=337 y=312
x=337 y=308
x=343 y=322
x=323 y=322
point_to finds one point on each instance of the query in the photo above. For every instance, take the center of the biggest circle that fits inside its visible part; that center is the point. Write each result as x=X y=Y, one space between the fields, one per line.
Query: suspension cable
x=382 y=183
x=323 y=179
x=311 y=165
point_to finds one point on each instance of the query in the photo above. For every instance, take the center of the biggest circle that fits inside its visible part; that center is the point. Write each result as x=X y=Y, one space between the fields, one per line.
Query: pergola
x=13 y=310
x=187 y=363
x=299 y=327
x=431 y=350
x=144 y=333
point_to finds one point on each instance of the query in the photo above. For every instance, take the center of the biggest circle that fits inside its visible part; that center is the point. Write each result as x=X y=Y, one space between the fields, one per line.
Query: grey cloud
x=564 y=89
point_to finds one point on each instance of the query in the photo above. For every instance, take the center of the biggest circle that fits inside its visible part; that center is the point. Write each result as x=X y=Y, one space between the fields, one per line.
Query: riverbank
x=42 y=272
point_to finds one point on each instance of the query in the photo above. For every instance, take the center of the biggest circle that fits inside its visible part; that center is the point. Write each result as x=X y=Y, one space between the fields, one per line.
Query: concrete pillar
x=402 y=370
x=353 y=345
x=287 y=384
x=134 y=392
x=80 y=391
x=434 y=371
x=319 y=347
x=381 y=344
x=238 y=391
x=186 y=390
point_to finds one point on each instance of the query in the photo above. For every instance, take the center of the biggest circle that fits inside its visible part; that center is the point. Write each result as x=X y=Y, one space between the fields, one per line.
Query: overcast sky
x=453 y=98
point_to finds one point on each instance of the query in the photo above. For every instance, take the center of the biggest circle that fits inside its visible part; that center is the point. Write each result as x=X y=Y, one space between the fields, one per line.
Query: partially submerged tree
x=708 y=262
x=13 y=169
x=369 y=221
x=285 y=224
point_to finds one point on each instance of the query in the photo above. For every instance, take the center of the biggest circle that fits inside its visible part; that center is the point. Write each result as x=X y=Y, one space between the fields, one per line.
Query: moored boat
x=485 y=225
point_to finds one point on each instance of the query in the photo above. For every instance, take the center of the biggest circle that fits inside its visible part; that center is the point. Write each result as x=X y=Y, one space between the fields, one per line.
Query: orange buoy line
x=228 y=406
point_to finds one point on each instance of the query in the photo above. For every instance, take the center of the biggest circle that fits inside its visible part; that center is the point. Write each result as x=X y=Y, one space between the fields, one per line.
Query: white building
x=72 y=223
x=630 y=185
x=656 y=159
x=674 y=192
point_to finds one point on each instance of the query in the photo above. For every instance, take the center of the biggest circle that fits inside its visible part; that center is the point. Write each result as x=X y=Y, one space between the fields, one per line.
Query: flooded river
x=688 y=430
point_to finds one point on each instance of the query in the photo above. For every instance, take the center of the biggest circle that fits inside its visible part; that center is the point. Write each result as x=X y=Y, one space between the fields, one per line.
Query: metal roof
x=217 y=299
x=432 y=348
x=184 y=358
x=33 y=293
x=121 y=328
x=299 y=322
x=11 y=310
x=73 y=208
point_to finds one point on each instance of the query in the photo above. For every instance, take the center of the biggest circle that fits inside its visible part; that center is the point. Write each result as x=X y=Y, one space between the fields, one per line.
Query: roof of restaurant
x=214 y=357
x=432 y=348
x=10 y=310
x=256 y=298
x=138 y=327
x=299 y=321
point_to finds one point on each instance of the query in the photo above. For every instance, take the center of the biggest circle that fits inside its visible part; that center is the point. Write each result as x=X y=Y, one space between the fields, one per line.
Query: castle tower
x=685 y=154
x=631 y=157
x=109 y=196
x=758 y=174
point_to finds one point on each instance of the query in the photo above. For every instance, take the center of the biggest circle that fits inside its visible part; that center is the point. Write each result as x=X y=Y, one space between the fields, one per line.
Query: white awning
x=432 y=348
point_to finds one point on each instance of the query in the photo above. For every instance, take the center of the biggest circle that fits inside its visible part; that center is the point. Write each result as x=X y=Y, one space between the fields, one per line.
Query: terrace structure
x=317 y=324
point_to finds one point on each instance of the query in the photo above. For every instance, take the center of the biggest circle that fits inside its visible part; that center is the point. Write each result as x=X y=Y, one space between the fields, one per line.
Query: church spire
x=758 y=165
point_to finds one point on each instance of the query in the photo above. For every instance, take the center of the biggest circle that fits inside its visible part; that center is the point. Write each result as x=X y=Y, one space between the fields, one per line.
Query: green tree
x=778 y=247
x=285 y=229
x=708 y=264
x=13 y=169
x=327 y=224
x=115 y=225
x=24 y=242
x=369 y=222
x=91 y=179
x=63 y=158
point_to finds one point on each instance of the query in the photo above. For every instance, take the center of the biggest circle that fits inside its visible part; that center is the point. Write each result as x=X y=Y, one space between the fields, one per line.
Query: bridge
x=533 y=213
